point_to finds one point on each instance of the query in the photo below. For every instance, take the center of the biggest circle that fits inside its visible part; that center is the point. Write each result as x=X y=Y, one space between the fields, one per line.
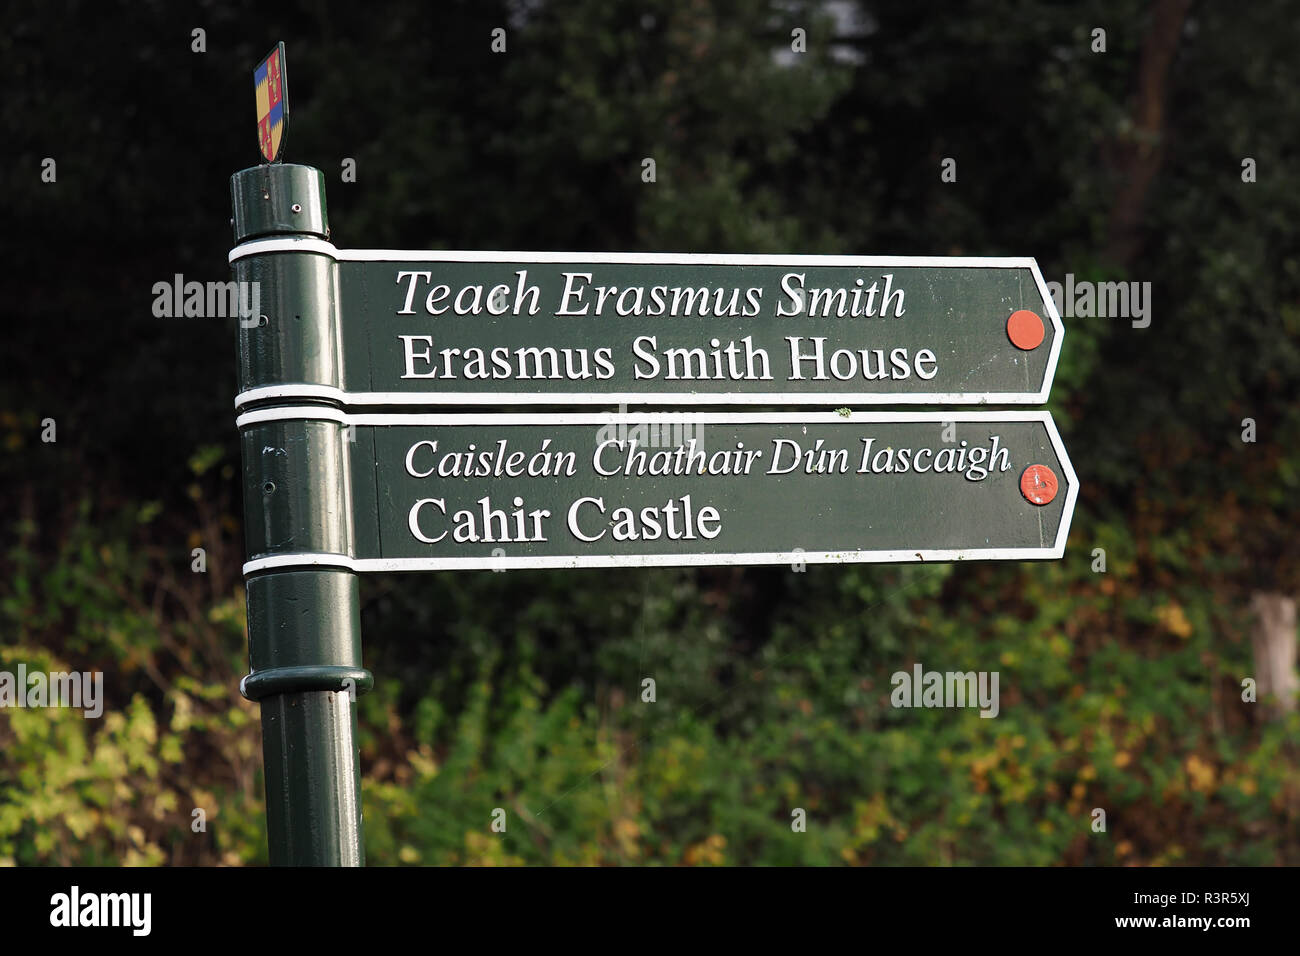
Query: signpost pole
x=303 y=620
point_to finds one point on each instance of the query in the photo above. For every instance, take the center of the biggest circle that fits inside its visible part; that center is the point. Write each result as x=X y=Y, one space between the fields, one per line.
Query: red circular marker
x=1025 y=330
x=1038 y=484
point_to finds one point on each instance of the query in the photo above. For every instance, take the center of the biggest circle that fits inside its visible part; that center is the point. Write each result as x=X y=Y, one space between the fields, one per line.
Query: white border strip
x=258 y=247
x=1056 y=551
x=356 y=399
x=361 y=399
x=362 y=565
x=325 y=413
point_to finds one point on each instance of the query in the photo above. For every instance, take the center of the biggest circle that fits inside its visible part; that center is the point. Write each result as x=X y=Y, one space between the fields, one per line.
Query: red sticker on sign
x=1038 y=484
x=1025 y=330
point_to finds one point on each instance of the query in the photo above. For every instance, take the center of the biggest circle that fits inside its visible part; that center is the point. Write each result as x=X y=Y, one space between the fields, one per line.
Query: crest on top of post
x=272 y=89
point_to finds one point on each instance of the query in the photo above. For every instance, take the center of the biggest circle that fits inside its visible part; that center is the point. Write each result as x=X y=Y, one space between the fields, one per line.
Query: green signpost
x=343 y=476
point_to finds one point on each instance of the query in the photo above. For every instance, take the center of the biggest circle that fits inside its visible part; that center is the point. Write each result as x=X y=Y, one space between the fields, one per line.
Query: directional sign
x=509 y=328
x=434 y=492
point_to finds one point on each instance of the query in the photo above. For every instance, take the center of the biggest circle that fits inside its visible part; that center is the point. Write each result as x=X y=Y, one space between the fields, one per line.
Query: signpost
x=336 y=483
x=528 y=328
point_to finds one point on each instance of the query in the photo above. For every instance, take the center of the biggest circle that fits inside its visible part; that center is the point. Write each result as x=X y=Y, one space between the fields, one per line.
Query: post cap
x=279 y=198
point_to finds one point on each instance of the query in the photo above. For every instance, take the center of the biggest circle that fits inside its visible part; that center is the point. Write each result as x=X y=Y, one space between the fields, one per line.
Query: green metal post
x=303 y=620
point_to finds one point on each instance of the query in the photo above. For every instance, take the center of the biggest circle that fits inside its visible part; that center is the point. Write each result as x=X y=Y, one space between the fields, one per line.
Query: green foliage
x=1140 y=715
x=122 y=788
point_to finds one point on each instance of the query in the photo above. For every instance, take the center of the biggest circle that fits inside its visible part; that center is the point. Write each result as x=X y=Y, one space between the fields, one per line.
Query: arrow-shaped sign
x=517 y=328
x=431 y=492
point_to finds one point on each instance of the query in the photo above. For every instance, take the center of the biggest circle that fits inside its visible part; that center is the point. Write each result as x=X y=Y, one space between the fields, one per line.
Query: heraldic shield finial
x=272 y=89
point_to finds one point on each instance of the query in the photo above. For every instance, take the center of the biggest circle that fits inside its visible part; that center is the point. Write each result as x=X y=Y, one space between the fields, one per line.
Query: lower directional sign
x=427 y=492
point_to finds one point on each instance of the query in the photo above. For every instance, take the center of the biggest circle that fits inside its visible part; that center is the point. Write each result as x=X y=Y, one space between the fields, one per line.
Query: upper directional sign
x=526 y=328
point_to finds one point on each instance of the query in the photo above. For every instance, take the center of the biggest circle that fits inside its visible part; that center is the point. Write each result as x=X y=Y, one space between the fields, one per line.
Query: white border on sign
x=486 y=562
x=357 y=399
